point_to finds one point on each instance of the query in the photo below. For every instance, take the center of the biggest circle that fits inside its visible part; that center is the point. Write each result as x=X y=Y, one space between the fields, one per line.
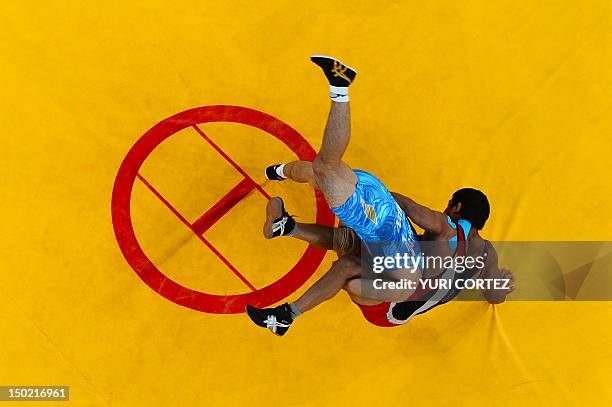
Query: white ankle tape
x=338 y=94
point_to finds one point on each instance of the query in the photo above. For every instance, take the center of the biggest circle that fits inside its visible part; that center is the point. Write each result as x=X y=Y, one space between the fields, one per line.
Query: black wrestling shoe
x=276 y=319
x=271 y=173
x=337 y=73
x=278 y=221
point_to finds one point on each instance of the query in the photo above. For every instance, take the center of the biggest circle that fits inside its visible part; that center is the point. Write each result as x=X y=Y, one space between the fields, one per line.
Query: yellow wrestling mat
x=513 y=99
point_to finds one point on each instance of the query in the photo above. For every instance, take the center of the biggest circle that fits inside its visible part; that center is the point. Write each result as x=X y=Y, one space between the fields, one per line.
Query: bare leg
x=342 y=240
x=355 y=288
x=330 y=284
x=344 y=274
x=357 y=299
x=300 y=171
x=328 y=167
x=317 y=235
x=335 y=179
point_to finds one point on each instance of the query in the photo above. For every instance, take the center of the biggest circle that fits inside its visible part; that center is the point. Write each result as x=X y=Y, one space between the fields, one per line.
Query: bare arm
x=493 y=271
x=428 y=219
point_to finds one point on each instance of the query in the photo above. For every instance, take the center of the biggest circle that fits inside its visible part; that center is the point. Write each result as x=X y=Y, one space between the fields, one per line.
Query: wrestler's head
x=469 y=204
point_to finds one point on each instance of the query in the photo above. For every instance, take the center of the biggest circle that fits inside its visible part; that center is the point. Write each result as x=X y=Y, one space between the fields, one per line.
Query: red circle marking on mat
x=148 y=272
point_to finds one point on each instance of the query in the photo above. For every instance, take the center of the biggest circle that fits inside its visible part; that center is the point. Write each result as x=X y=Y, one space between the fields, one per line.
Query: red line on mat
x=229 y=160
x=226 y=203
x=206 y=242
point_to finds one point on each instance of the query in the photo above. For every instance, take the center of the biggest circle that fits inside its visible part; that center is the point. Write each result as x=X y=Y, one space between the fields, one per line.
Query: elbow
x=494 y=298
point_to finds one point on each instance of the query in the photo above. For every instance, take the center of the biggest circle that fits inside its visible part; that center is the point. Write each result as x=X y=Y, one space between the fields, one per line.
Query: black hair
x=474 y=206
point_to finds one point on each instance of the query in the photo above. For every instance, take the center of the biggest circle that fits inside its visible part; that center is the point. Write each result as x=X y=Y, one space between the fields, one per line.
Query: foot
x=278 y=221
x=276 y=319
x=337 y=73
x=271 y=173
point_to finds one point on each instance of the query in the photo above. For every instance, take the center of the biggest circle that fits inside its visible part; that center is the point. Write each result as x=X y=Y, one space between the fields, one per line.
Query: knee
x=321 y=166
x=318 y=167
x=345 y=241
x=350 y=286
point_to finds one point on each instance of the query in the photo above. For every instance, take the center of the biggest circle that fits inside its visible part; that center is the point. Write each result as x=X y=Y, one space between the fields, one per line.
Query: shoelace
x=280 y=225
x=272 y=323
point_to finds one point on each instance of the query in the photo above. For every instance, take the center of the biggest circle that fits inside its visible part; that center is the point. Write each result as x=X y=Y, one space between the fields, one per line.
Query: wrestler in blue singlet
x=375 y=216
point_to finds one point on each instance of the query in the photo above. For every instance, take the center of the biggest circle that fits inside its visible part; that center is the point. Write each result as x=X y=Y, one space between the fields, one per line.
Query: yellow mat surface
x=512 y=98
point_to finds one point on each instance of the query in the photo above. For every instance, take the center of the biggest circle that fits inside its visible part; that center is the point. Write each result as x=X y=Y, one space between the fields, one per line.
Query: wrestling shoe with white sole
x=336 y=72
x=278 y=221
x=271 y=173
x=277 y=319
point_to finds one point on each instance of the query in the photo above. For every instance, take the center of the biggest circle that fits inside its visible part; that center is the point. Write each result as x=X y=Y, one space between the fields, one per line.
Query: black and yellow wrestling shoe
x=277 y=319
x=278 y=221
x=337 y=73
